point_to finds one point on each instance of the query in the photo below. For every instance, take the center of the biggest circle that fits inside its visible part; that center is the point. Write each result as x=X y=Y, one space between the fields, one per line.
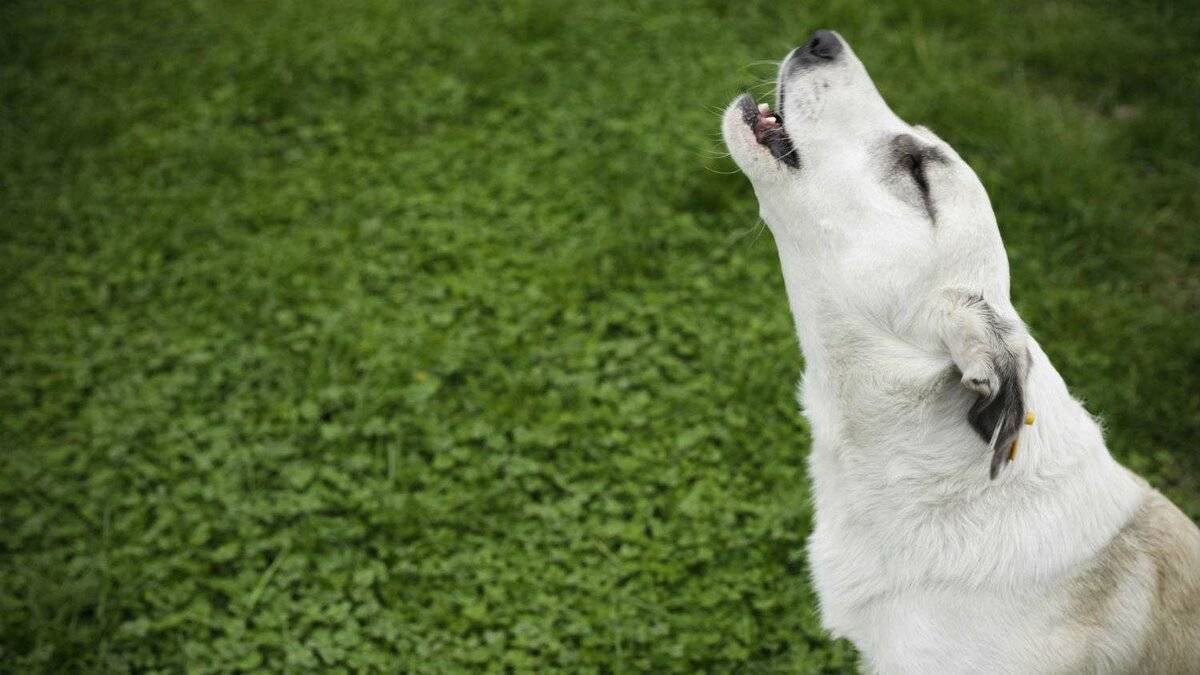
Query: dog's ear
x=998 y=416
x=992 y=354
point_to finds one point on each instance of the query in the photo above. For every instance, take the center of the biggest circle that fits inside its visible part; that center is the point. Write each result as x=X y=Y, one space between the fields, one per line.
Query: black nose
x=823 y=44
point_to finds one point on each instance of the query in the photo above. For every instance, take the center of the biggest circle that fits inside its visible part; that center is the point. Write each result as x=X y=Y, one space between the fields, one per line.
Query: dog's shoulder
x=1172 y=543
x=1149 y=571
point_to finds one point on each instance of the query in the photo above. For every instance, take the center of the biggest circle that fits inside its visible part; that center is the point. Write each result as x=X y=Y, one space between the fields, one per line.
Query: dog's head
x=876 y=211
x=874 y=220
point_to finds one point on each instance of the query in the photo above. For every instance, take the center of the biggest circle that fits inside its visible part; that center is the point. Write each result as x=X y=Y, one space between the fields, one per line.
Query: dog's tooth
x=769 y=120
x=763 y=107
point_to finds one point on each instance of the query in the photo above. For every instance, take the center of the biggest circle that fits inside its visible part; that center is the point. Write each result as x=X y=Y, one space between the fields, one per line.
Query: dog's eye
x=916 y=168
x=914 y=158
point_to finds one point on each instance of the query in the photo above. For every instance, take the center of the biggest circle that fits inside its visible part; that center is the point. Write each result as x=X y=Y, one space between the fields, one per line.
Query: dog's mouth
x=767 y=126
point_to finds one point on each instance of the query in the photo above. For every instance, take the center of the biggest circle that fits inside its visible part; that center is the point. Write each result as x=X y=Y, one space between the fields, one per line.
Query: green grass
x=442 y=337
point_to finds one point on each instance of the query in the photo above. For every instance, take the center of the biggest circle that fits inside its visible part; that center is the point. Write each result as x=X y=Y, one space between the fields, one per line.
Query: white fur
x=917 y=557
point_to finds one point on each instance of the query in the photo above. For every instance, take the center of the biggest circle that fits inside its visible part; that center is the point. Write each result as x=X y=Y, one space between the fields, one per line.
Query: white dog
x=969 y=518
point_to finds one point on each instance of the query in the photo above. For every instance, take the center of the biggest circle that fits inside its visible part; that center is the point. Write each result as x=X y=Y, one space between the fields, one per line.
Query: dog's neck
x=895 y=460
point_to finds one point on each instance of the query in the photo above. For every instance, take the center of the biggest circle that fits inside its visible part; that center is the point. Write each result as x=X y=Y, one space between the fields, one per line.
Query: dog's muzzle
x=822 y=47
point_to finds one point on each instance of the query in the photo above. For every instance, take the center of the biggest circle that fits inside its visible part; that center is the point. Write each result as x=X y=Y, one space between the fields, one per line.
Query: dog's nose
x=822 y=44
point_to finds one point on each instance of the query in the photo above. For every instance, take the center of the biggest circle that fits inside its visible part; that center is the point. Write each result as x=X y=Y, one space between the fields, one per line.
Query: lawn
x=441 y=337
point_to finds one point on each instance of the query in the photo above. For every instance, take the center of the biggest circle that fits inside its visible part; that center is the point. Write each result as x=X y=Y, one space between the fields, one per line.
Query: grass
x=442 y=337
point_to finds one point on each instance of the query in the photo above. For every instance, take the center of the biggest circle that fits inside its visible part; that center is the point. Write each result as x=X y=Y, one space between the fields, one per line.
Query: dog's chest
x=921 y=588
x=906 y=589
x=929 y=630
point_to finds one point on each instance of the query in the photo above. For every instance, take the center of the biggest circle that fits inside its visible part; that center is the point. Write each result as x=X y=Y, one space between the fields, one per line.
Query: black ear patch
x=991 y=352
x=998 y=418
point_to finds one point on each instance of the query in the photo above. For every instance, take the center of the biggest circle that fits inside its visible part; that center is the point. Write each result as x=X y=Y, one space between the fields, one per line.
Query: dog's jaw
x=768 y=130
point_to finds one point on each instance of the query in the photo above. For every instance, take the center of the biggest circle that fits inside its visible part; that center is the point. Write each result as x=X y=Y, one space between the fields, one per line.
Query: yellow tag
x=1029 y=418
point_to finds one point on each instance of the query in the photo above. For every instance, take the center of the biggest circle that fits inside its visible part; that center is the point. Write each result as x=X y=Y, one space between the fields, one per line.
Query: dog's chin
x=766 y=125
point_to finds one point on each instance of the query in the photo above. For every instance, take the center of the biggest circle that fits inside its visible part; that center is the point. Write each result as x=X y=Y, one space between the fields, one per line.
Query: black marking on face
x=912 y=159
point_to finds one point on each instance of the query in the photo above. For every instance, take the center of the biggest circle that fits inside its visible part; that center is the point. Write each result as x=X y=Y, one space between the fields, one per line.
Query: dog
x=968 y=516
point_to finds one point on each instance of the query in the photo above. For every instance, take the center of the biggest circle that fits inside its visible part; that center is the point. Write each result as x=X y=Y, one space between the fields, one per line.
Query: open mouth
x=767 y=126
